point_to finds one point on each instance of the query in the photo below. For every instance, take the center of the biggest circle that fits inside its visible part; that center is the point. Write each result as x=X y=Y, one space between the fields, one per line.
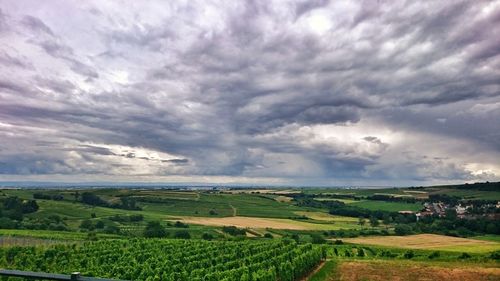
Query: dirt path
x=318 y=268
x=234 y=210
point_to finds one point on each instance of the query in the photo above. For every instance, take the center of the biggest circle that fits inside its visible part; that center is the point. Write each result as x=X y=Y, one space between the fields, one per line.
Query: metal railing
x=49 y=276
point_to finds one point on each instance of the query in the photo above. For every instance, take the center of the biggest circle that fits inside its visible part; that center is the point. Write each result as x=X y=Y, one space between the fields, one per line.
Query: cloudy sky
x=260 y=92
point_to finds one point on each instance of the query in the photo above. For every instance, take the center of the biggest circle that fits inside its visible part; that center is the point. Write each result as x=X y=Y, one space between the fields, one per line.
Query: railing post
x=75 y=276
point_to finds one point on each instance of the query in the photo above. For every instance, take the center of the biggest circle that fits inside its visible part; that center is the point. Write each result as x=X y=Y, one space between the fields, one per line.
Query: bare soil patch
x=282 y=198
x=395 y=271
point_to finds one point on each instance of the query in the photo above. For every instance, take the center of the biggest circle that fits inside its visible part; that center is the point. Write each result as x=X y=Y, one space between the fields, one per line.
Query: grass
x=48 y=234
x=182 y=207
x=387 y=206
x=321 y=216
x=489 y=237
x=345 y=201
x=250 y=205
x=326 y=272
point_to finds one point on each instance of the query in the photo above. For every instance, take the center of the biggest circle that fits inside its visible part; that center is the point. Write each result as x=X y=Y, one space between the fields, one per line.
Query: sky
x=311 y=93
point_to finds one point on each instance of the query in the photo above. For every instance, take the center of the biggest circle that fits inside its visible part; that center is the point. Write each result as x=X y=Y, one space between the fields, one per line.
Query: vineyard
x=159 y=259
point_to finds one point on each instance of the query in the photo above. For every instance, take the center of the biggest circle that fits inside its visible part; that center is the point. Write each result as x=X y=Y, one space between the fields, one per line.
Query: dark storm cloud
x=36 y=25
x=303 y=7
x=319 y=91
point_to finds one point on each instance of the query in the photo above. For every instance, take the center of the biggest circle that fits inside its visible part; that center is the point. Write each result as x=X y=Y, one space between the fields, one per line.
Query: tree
x=112 y=229
x=154 y=229
x=409 y=254
x=207 y=236
x=361 y=253
x=87 y=224
x=317 y=239
x=361 y=221
x=403 y=229
x=99 y=224
x=182 y=234
x=387 y=219
x=374 y=221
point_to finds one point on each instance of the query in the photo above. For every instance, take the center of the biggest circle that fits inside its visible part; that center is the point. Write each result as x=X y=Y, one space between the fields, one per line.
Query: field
x=142 y=259
x=387 y=206
x=254 y=222
x=53 y=235
x=411 y=271
x=429 y=241
x=271 y=223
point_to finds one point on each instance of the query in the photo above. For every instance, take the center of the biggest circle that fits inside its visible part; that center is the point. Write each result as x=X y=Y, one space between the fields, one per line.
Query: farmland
x=392 y=271
x=429 y=241
x=356 y=229
x=255 y=222
x=388 y=206
x=186 y=260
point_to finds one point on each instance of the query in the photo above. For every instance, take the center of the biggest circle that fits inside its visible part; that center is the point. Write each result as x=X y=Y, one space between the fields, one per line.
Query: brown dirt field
x=420 y=241
x=245 y=222
x=394 y=271
x=282 y=198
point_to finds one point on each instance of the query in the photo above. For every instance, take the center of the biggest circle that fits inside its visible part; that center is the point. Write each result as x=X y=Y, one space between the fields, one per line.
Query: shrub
x=99 y=224
x=403 y=229
x=207 y=236
x=112 y=229
x=495 y=255
x=181 y=224
x=233 y=230
x=464 y=256
x=268 y=235
x=317 y=239
x=154 y=229
x=434 y=255
x=87 y=224
x=361 y=253
x=409 y=254
x=182 y=234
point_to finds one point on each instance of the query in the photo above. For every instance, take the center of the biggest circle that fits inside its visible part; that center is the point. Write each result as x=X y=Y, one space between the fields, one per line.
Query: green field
x=257 y=216
x=387 y=206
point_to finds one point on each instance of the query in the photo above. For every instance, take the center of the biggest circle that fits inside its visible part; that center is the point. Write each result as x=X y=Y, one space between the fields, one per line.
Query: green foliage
x=374 y=221
x=163 y=259
x=464 y=256
x=207 y=236
x=434 y=255
x=495 y=255
x=326 y=272
x=361 y=253
x=233 y=230
x=268 y=235
x=154 y=229
x=182 y=234
x=87 y=224
x=403 y=229
x=409 y=254
x=317 y=239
